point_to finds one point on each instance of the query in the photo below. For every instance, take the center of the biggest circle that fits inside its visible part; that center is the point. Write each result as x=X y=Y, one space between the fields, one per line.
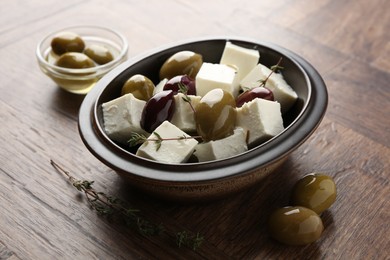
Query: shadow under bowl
x=214 y=179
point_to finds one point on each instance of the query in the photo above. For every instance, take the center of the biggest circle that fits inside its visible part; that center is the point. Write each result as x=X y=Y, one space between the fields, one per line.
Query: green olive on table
x=295 y=225
x=140 y=86
x=74 y=60
x=181 y=63
x=315 y=191
x=67 y=42
x=100 y=54
x=215 y=115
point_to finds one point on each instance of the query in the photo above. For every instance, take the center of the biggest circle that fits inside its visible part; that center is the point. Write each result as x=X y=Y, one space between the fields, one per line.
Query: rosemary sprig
x=184 y=237
x=158 y=141
x=273 y=69
x=109 y=206
x=184 y=89
x=137 y=138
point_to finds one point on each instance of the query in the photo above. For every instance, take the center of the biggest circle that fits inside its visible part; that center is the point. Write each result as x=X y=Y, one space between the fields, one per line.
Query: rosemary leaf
x=273 y=69
x=184 y=89
x=136 y=139
x=185 y=238
x=158 y=141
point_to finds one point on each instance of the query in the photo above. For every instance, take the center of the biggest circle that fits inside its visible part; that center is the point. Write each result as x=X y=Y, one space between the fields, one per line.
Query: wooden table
x=43 y=217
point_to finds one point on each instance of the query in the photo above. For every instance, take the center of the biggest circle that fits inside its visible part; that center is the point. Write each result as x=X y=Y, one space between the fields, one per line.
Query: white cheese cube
x=222 y=148
x=122 y=117
x=175 y=150
x=261 y=118
x=283 y=93
x=211 y=76
x=160 y=86
x=183 y=116
x=243 y=59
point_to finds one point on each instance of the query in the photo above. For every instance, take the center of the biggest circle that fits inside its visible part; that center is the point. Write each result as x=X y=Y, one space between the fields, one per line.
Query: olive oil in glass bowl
x=81 y=81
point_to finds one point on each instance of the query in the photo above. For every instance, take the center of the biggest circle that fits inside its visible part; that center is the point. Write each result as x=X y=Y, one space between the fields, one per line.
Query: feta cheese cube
x=283 y=93
x=176 y=150
x=222 y=148
x=122 y=117
x=211 y=76
x=160 y=86
x=261 y=118
x=183 y=116
x=243 y=59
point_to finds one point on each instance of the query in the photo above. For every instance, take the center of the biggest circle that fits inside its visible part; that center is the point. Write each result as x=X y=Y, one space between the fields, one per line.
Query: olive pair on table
x=301 y=224
x=75 y=58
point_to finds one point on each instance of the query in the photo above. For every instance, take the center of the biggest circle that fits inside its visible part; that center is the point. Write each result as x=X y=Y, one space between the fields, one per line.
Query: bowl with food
x=202 y=118
x=75 y=58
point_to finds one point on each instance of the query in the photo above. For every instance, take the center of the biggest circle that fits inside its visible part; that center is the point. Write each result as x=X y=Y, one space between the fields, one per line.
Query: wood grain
x=43 y=217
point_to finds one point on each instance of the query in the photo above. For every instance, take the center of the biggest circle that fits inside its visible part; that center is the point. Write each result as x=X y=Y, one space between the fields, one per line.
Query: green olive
x=74 y=60
x=295 y=225
x=140 y=86
x=215 y=115
x=181 y=63
x=67 y=42
x=315 y=191
x=100 y=54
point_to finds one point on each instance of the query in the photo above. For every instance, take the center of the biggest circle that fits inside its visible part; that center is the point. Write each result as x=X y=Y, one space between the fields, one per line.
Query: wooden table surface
x=43 y=217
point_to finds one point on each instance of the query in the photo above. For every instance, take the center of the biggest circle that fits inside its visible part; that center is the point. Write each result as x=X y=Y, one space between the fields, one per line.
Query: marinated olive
x=140 y=86
x=180 y=63
x=67 y=42
x=98 y=53
x=158 y=109
x=295 y=225
x=175 y=82
x=315 y=191
x=258 y=92
x=74 y=60
x=215 y=115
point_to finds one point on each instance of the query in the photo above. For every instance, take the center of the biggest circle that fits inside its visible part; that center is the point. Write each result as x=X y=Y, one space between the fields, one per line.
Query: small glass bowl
x=80 y=81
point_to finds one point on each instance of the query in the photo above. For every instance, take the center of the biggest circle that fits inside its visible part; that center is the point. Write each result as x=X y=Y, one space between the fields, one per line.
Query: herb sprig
x=136 y=139
x=184 y=89
x=273 y=69
x=110 y=207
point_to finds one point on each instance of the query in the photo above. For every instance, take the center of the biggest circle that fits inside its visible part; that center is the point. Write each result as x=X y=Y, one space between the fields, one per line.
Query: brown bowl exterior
x=199 y=181
x=201 y=190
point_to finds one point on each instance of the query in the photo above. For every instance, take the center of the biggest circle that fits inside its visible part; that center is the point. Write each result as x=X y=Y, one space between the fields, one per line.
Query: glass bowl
x=80 y=81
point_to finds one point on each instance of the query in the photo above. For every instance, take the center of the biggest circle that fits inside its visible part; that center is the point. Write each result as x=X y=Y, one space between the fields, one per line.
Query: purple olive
x=173 y=84
x=158 y=109
x=258 y=92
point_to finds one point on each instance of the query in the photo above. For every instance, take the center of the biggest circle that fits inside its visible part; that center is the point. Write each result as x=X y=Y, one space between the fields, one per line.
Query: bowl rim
x=122 y=54
x=261 y=156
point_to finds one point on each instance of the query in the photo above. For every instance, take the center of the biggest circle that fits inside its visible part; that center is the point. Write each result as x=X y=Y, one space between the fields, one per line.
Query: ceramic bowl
x=215 y=179
x=80 y=81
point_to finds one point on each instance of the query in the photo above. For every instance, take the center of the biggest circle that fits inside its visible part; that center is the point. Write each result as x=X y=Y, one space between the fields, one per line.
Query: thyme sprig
x=184 y=90
x=136 y=139
x=109 y=206
x=184 y=237
x=273 y=69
